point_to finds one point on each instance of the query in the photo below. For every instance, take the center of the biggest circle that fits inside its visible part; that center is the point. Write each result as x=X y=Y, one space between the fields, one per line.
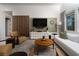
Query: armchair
x=18 y=39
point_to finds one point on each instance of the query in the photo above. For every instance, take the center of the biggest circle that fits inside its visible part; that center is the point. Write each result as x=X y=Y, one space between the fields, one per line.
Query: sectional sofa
x=70 y=45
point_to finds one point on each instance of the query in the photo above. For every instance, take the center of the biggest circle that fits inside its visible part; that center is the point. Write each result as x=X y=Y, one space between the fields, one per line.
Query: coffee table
x=39 y=43
x=46 y=42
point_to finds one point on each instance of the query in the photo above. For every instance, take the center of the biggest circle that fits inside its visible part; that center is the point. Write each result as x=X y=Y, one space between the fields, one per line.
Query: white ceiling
x=26 y=4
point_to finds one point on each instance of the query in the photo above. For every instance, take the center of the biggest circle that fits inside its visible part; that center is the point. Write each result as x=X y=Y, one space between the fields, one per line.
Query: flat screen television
x=39 y=22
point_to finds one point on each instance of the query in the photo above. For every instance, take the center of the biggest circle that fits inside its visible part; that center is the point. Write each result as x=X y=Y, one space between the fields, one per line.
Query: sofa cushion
x=73 y=37
x=63 y=35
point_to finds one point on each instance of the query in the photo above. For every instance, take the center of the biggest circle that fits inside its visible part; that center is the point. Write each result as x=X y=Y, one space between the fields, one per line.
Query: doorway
x=7 y=26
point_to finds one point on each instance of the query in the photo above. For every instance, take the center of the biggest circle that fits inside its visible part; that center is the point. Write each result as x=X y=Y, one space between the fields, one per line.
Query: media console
x=36 y=35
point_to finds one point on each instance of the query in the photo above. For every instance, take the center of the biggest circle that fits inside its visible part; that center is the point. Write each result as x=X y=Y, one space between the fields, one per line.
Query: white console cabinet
x=36 y=35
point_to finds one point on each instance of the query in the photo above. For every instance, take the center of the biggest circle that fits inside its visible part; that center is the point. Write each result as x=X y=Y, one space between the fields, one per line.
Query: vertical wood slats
x=21 y=25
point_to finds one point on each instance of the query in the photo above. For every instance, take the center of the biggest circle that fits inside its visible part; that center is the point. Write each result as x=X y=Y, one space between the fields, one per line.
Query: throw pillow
x=63 y=35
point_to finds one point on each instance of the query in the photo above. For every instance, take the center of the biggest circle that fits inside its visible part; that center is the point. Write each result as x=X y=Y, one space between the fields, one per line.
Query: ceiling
x=29 y=4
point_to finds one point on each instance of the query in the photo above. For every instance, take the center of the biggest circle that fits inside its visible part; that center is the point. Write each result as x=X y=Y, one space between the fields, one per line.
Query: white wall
x=77 y=17
x=2 y=27
x=68 y=7
x=33 y=10
x=37 y=11
x=2 y=22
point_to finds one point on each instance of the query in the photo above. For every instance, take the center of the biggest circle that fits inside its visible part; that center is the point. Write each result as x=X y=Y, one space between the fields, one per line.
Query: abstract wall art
x=70 y=21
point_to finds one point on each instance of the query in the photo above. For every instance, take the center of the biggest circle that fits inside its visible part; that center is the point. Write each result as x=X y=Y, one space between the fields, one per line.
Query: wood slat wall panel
x=21 y=25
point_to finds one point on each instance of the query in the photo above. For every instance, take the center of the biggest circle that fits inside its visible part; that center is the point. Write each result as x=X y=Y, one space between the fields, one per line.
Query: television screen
x=39 y=22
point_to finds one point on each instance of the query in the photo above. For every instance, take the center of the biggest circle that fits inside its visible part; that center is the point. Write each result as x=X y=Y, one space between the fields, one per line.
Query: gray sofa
x=73 y=36
x=70 y=46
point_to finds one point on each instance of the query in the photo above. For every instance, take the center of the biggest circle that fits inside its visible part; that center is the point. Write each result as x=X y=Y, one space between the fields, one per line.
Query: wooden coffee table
x=46 y=42
x=39 y=43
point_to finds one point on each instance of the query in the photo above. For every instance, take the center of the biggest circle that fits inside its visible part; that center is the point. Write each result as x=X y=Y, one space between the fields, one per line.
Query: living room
x=30 y=24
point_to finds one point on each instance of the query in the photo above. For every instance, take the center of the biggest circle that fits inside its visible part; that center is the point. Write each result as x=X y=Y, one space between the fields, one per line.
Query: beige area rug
x=24 y=47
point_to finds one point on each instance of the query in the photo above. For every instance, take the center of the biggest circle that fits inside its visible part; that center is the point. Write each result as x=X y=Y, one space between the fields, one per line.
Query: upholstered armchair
x=19 y=39
x=5 y=50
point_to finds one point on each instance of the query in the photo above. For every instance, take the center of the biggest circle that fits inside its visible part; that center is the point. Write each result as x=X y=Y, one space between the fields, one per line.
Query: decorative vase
x=49 y=36
x=43 y=38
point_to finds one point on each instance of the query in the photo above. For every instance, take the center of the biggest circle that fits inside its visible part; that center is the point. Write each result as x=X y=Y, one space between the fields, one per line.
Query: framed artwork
x=70 y=21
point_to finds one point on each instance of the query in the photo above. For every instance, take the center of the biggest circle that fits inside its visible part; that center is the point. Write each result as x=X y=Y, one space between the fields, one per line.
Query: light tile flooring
x=28 y=44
